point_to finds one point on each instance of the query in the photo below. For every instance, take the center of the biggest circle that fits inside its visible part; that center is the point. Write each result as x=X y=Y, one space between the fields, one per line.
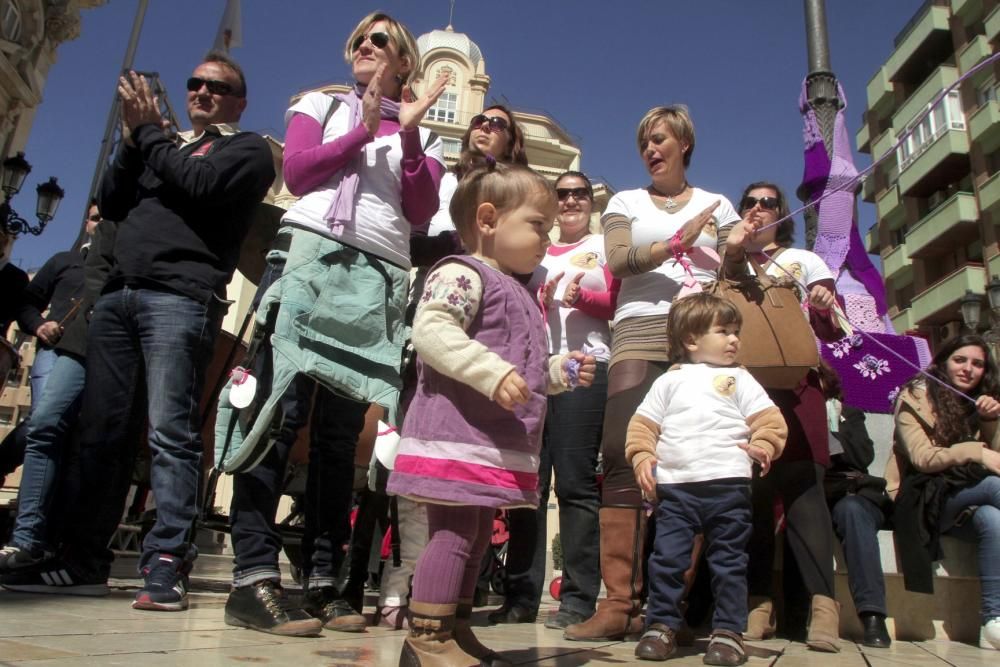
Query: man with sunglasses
x=183 y=208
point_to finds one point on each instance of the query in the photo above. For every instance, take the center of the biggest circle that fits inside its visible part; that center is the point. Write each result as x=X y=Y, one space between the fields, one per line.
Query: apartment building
x=937 y=197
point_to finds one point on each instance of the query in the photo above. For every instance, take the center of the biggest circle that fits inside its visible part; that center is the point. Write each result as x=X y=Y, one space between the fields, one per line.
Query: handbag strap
x=758 y=270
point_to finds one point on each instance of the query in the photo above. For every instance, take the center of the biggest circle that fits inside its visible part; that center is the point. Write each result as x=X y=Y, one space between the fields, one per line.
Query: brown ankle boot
x=824 y=625
x=760 y=621
x=468 y=642
x=622 y=535
x=431 y=642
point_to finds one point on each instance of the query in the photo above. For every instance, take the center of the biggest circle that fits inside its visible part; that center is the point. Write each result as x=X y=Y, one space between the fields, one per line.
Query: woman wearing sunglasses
x=366 y=174
x=493 y=133
x=642 y=229
x=797 y=477
x=579 y=294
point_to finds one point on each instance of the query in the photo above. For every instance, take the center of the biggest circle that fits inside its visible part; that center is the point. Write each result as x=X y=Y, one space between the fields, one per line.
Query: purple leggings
x=447 y=570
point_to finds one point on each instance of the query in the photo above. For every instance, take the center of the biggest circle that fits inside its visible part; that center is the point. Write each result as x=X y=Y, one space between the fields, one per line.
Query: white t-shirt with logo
x=805 y=266
x=571 y=328
x=652 y=292
x=379 y=225
x=702 y=413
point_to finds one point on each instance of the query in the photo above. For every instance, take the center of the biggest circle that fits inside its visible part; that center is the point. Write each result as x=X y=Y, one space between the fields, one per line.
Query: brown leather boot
x=622 y=536
x=760 y=621
x=824 y=625
x=468 y=642
x=431 y=642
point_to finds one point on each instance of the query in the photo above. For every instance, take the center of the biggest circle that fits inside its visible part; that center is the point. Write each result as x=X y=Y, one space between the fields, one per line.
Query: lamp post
x=971 y=306
x=15 y=171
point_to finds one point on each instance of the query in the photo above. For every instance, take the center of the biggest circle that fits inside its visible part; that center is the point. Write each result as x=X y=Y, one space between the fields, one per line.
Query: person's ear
x=486 y=219
x=691 y=343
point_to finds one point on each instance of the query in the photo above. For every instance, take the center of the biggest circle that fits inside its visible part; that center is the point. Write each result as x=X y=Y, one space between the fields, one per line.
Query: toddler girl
x=472 y=433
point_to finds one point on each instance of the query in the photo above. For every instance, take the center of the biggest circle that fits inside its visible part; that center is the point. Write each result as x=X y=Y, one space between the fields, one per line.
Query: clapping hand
x=692 y=228
x=371 y=102
x=547 y=293
x=572 y=292
x=743 y=232
x=139 y=105
x=412 y=108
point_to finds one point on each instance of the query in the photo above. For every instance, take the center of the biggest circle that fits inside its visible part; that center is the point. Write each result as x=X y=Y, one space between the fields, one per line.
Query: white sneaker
x=989 y=634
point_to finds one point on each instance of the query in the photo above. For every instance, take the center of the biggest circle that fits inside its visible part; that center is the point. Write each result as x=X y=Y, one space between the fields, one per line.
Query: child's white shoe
x=393 y=617
x=989 y=634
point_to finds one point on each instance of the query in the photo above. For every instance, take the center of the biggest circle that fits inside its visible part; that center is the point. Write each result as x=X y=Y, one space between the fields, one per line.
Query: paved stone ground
x=65 y=631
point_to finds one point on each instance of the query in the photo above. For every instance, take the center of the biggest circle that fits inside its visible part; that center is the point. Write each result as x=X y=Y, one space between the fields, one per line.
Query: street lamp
x=12 y=176
x=971 y=306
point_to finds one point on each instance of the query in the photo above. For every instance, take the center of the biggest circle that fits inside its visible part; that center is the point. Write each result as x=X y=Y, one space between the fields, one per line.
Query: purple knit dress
x=460 y=448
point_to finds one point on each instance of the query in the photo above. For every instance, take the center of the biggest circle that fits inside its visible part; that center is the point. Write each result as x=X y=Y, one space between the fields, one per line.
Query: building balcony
x=993 y=264
x=989 y=193
x=889 y=208
x=868 y=189
x=871 y=239
x=974 y=52
x=952 y=224
x=984 y=126
x=882 y=143
x=939 y=303
x=967 y=10
x=880 y=93
x=863 y=139
x=940 y=79
x=942 y=161
x=926 y=34
x=992 y=23
x=896 y=265
x=903 y=320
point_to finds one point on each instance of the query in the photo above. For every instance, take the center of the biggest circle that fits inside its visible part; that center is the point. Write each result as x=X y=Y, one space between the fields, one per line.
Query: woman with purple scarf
x=366 y=175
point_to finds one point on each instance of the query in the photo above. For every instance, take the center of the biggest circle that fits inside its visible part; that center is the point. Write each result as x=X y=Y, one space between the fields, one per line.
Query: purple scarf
x=341 y=209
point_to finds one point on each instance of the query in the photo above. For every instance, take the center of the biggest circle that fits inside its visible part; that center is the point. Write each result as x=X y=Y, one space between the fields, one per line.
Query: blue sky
x=595 y=66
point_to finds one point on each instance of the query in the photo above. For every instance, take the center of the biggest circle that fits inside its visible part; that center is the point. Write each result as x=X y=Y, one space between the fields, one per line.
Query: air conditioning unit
x=950 y=330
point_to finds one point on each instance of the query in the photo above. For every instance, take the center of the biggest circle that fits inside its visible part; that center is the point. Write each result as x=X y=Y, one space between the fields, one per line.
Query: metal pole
x=816 y=41
x=113 y=115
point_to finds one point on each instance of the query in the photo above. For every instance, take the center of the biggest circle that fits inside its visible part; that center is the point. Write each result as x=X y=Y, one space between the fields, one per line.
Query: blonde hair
x=695 y=315
x=678 y=120
x=406 y=44
x=506 y=186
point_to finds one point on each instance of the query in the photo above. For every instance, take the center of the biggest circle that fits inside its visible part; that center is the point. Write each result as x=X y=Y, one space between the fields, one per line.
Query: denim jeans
x=147 y=351
x=53 y=416
x=570 y=443
x=333 y=435
x=41 y=367
x=857 y=520
x=983 y=529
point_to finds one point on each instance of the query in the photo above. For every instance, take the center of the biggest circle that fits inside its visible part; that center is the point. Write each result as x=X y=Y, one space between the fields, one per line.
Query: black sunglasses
x=769 y=203
x=94 y=218
x=576 y=193
x=495 y=123
x=378 y=39
x=195 y=83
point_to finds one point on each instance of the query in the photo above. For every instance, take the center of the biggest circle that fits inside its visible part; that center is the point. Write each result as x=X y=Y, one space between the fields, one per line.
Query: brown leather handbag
x=777 y=344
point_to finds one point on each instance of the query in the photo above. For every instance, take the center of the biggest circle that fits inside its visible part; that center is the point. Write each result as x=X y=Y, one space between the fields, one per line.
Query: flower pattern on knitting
x=893 y=395
x=451 y=290
x=843 y=347
x=872 y=367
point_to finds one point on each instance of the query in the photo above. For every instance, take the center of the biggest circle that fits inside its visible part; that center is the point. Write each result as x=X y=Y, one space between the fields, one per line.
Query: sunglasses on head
x=769 y=203
x=195 y=83
x=576 y=193
x=494 y=123
x=96 y=217
x=378 y=39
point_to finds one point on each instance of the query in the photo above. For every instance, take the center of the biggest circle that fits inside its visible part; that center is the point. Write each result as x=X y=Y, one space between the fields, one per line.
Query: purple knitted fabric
x=871 y=376
x=838 y=240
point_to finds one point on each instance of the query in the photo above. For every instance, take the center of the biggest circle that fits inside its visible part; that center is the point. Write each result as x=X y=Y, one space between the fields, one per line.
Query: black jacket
x=95 y=274
x=55 y=286
x=848 y=471
x=183 y=213
x=12 y=283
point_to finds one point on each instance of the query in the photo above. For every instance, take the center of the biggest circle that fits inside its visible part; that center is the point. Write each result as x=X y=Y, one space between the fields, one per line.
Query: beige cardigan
x=913 y=444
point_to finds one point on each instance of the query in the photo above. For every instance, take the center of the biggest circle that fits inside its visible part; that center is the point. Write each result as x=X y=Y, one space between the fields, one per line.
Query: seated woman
x=945 y=467
x=859 y=507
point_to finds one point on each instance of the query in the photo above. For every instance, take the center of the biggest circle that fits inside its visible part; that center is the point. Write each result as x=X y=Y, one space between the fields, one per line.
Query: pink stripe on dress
x=461 y=471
